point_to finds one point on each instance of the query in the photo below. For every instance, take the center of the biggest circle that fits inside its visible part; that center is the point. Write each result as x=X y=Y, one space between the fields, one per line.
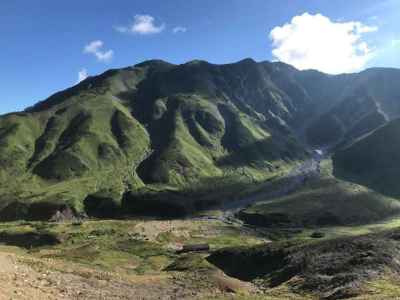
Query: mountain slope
x=160 y=133
x=322 y=202
x=367 y=101
x=341 y=268
x=373 y=161
x=151 y=124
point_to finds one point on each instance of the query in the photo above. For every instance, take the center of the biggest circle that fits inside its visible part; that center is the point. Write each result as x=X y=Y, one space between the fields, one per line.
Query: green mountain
x=115 y=138
x=177 y=138
x=373 y=161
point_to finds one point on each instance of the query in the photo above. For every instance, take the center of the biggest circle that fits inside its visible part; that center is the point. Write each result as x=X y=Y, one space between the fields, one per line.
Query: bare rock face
x=66 y=214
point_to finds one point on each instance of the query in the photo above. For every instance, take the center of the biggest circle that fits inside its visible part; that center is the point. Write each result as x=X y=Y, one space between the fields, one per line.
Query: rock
x=63 y=215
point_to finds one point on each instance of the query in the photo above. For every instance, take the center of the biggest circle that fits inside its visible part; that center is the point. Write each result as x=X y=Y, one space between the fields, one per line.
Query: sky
x=48 y=45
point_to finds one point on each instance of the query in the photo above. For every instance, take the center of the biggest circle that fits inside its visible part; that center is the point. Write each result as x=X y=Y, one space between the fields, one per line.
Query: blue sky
x=45 y=44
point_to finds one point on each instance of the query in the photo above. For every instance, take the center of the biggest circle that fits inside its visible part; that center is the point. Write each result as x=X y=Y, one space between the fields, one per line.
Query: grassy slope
x=130 y=252
x=334 y=269
x=357 y=108
x=153 y=125
x=75 y=150
x=132 y=247
x=163 y=127
x=373 y=161
x=324 y=201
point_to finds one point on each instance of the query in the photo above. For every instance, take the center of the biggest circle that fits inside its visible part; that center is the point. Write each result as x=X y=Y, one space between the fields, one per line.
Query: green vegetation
x=106 y=142
x=152 y=127
x=353 y=105
x=143 y=248
x=334 y=269
x=373 y=160
x=131 y=247
x=323 y=201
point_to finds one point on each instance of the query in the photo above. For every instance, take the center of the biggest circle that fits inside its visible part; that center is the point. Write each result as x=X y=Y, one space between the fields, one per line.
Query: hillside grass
x=88 y=141
x=341 y=268
x=373 y=160
x=132 y=247
x=324 y=202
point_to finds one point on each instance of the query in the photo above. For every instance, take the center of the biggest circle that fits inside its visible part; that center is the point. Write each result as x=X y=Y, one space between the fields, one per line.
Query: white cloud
x=95 y=49
x=179 y=29
x=142 y=24
x=316 y=42
x=82 y=75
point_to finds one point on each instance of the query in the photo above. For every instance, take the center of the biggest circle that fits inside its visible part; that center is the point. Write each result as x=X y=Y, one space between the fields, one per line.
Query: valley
x=251 y=180
x=94 y=258
x=282 y=186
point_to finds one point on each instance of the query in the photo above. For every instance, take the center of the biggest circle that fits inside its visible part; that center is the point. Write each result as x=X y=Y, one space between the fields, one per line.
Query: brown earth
x=32 y=279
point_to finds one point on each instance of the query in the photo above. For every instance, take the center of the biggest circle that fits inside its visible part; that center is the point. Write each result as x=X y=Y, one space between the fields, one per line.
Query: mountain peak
x=154 y=63
x=247 y=60
x=196 y=62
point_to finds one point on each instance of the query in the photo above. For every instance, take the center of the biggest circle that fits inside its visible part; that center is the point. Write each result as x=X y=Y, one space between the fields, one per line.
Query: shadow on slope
x=373 y=161
x=28 y=240
x=207 y=194
x=263 y=154
x=331 y=269
x=322 y=202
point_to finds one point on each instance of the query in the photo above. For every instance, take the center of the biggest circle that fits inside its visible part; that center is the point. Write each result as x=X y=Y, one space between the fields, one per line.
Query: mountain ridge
x=149 y=61
x=161 y=125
